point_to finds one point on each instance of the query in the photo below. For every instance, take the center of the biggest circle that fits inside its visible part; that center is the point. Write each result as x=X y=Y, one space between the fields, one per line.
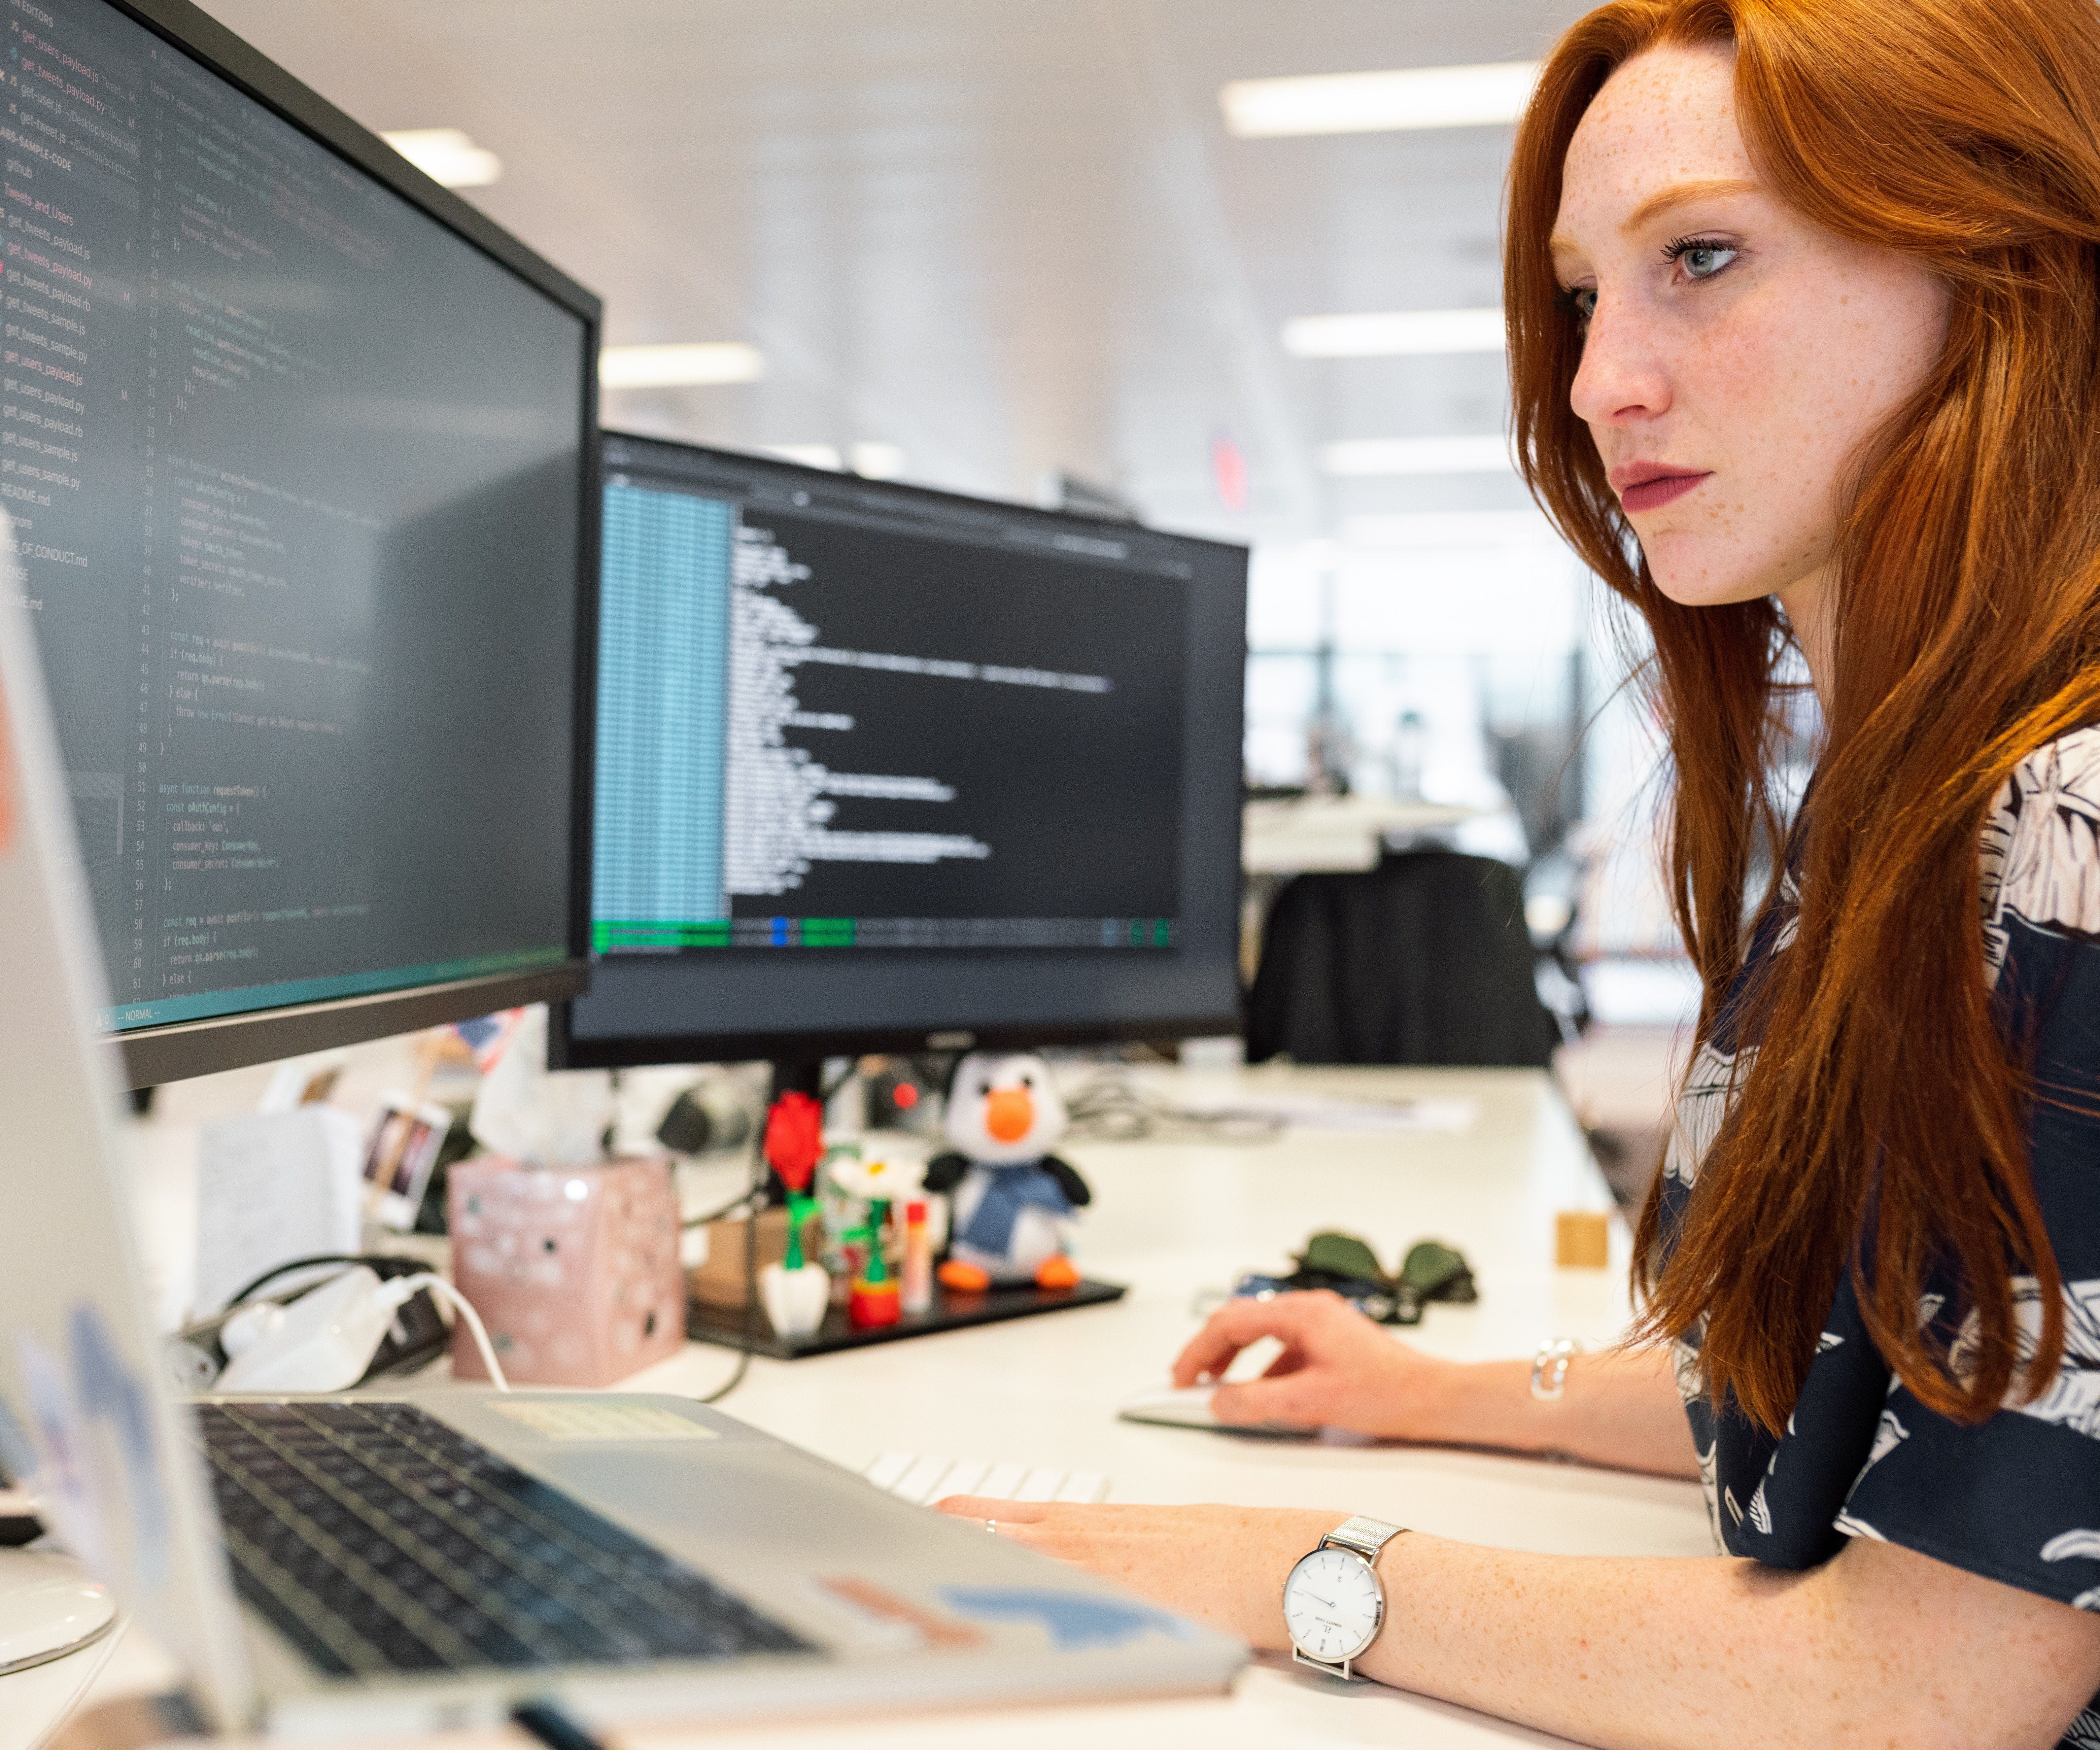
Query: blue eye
x=1582 y=301
x=1702 y=257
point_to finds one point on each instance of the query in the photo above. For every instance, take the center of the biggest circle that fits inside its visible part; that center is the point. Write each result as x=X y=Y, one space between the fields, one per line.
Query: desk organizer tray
x=949 y=1312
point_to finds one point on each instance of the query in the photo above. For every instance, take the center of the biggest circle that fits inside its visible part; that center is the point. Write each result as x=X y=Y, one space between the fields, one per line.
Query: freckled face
x=1737 y=357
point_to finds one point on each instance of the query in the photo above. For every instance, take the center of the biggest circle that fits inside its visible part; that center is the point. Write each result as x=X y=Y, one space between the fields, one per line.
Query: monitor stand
x=49 y=1606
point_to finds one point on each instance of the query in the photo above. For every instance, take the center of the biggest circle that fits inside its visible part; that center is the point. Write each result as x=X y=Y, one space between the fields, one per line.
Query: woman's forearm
x=1336 y=1370
x=1619 y=1409
x=1879 y=1645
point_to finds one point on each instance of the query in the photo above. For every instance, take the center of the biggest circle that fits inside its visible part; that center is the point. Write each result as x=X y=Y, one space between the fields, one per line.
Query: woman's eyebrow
x=1683 y=194
x=1664 y=201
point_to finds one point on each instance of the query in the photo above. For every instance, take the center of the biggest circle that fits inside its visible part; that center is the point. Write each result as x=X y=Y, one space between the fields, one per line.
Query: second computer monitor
x=884 y=768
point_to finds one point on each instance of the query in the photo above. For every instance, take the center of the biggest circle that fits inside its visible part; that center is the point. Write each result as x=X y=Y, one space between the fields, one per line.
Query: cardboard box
x=1582 y=1239
x=720 y=1281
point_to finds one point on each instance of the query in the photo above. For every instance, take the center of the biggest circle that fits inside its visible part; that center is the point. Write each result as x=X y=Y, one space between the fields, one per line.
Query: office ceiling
x=1007 y=237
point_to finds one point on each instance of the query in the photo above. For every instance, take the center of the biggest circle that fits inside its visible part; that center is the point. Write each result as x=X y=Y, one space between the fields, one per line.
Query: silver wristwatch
x=1333 y=1603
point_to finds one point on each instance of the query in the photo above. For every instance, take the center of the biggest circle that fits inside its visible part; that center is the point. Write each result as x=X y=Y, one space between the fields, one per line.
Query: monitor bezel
x=152 y=1055
x=567 y=1050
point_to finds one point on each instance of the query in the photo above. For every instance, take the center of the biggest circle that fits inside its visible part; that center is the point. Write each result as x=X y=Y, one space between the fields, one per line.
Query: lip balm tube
x=918 y=1276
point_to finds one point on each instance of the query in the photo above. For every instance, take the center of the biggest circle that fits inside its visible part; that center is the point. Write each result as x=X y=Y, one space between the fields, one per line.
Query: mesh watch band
x=1363 y=1535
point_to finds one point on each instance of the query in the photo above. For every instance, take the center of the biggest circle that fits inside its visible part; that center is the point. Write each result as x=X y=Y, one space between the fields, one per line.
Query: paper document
x=272 y=1187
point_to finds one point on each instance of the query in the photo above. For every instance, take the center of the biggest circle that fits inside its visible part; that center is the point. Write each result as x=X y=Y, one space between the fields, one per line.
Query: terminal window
x=835 y=717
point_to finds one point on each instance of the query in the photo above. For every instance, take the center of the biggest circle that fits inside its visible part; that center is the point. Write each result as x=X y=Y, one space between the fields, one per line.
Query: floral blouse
x=2016 y=1498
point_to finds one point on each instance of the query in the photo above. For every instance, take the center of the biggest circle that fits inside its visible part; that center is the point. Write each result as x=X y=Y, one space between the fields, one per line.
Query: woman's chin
x=1695 y=588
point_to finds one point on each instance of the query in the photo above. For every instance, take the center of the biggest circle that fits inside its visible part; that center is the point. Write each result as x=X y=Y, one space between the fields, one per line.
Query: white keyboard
x=922 y=1481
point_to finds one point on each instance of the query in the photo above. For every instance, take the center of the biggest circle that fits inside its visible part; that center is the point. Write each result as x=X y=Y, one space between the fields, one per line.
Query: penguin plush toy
x=1013 y=1198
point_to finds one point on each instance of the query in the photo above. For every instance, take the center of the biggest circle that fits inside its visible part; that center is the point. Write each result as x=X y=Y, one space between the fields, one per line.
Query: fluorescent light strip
x=1393 y=333
x=809 y=455
x=1485 y=452
x=446 y=155
x=878 y=462
x=685 y=365
x=1372 y=102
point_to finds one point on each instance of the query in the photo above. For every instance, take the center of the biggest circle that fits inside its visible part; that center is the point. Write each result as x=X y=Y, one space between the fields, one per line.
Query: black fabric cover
x=1423 y=960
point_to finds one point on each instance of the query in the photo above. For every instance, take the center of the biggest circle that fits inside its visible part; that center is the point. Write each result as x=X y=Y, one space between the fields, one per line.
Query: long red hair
x=1883 y=1127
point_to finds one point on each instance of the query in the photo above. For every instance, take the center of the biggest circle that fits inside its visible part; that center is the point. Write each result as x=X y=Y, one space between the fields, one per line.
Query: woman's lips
x=1652 y=494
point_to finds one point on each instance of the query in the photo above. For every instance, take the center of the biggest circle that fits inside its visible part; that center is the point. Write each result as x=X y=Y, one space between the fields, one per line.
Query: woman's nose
x=1621 y=376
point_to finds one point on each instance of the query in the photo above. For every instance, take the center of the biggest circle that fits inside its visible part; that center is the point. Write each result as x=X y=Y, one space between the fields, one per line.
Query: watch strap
x=1363 y=1534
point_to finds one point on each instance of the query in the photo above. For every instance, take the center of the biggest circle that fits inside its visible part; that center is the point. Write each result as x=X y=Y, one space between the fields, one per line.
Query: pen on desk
x=552 y=1727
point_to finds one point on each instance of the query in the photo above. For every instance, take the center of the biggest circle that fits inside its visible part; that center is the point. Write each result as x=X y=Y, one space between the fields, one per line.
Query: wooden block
x=1582 y=1239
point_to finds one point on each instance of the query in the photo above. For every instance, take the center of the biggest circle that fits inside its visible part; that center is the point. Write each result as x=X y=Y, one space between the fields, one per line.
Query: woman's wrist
x=1289 y=1535
x=1490 y=1403
x=1464 y=1404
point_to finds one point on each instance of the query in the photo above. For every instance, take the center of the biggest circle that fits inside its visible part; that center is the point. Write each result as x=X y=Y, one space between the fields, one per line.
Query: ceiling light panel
x=878 y=462
x=1483 y=94
x=684 y=364
x=809 y=455
x=446 y=155
x=1393 y=333
x=1485 y=452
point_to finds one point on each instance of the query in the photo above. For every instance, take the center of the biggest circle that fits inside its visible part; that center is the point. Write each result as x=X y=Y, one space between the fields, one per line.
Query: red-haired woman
x=1804 y=317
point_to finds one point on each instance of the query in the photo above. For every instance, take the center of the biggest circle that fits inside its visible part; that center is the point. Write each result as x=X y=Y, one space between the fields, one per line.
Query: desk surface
x=1174 y=1219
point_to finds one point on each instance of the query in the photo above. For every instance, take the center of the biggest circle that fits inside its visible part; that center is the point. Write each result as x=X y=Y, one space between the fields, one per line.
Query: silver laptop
x=438 y=1558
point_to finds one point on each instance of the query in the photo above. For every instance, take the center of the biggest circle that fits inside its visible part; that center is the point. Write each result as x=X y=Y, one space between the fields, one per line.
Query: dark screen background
x=1078 y=794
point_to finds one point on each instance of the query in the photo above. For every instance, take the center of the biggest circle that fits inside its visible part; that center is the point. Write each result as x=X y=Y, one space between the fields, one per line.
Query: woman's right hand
x=1337 y=1370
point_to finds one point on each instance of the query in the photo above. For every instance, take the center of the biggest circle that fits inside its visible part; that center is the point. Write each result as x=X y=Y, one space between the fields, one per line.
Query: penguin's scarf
x=1011 y=1189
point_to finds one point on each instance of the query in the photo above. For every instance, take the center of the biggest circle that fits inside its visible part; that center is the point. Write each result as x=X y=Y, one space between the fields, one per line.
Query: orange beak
x=1009 y=1113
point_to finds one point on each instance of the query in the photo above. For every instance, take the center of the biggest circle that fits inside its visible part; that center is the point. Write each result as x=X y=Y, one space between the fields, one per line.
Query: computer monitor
x=298 y=449
x=886 y=768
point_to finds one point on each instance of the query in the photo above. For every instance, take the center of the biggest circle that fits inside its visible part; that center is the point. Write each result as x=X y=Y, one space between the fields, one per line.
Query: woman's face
x=1737 y=357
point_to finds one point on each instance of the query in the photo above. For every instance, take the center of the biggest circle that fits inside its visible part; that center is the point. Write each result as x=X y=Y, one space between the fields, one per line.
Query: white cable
x=406 y=1286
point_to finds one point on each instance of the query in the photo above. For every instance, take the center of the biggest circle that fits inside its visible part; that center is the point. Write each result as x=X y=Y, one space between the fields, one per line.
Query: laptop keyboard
x=379 y=1540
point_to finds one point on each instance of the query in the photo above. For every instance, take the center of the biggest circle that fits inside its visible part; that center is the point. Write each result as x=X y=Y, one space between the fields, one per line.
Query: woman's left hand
x=1224 y=1566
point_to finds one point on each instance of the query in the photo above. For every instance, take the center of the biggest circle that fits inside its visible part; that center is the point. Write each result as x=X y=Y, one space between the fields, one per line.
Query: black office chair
x=1425 y=959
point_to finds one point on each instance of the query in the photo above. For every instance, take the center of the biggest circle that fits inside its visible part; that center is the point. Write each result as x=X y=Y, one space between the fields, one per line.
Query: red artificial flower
x=795 y=1139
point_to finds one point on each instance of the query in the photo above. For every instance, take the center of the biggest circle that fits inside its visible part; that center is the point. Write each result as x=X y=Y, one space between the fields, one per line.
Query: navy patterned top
x=2017 y=1498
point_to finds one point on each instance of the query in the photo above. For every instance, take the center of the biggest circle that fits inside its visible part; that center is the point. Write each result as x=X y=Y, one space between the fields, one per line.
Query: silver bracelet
x=1549 y=1368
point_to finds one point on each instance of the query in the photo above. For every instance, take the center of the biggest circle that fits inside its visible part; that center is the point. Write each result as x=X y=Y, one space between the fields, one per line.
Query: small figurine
x=883 y=1178
x=874 y=1299
x=1013 y=1199
x=795 y=1291
x=868 y=1187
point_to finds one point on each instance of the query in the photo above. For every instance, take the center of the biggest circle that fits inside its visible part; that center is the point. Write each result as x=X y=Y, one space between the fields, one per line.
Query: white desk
x=1342 y=834
x=1172 y=1219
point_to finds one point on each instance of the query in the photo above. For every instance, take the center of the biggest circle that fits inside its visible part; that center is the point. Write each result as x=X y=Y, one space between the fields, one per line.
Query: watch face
x=1332 y=1605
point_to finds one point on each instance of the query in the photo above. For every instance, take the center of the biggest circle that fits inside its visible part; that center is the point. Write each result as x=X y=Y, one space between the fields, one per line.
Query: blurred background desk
x=1288 y=837
x=1176 y=1218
